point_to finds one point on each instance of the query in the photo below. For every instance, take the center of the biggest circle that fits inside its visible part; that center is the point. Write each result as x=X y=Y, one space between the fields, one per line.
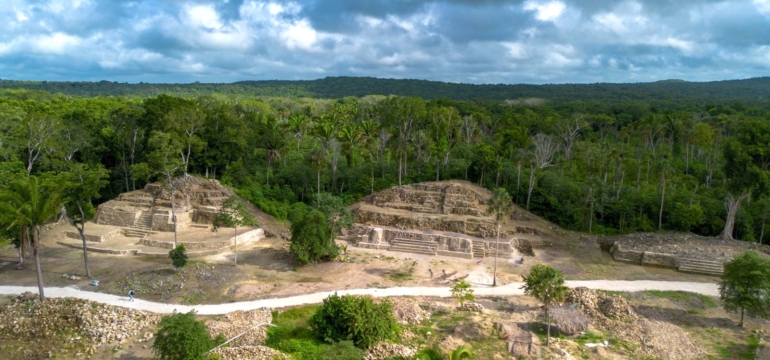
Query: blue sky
x=481 y=41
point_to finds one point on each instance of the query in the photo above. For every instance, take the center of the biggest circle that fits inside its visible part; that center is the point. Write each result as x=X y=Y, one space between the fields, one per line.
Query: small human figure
x=431 y=273
x=131 y=295
x=444 y=271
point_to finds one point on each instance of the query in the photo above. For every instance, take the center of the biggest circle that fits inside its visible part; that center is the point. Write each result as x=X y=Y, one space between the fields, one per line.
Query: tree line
x=586 y=165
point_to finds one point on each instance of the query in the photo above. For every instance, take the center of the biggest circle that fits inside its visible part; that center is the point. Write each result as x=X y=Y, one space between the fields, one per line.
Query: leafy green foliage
x=178 y=256
x=182 y=337
x=292 y=335
x=311 y=239
x=745 y=286
x=462 y=292
x=354 y=318
x=546 y=284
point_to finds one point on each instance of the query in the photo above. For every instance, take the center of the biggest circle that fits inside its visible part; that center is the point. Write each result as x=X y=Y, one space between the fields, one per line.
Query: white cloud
x=203 y=16
x=57 y=43
x=549 y=11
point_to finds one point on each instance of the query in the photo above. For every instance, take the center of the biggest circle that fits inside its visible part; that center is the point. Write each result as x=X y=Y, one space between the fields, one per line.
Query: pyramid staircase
x=701 y=266
x=142 y=226
x=414 y=246
x=478 y=250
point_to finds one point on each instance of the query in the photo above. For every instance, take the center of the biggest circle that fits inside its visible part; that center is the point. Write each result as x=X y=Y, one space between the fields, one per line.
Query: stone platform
x=446 y=218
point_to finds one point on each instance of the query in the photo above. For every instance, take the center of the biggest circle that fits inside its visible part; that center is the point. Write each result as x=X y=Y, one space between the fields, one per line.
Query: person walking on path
x=131 y=295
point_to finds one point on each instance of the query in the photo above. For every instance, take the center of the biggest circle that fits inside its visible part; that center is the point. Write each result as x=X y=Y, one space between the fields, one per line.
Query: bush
x=462 y=292
x=354 y=318
x=182 y=337
x=178 y=256
x=292 y=335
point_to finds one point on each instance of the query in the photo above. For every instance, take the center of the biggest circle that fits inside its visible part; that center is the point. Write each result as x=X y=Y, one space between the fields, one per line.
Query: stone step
x=701 y=266
x=701 y=271
x=414 y=249
x=413 y=242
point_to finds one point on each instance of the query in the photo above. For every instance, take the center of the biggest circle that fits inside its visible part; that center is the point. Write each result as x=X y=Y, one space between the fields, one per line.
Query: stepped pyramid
x=441 y=218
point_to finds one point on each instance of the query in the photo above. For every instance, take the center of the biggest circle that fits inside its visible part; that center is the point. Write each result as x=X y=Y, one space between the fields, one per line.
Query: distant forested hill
x=338 y=87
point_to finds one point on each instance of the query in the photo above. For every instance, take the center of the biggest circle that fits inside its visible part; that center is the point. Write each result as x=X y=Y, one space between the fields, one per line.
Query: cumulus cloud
x=476 y=41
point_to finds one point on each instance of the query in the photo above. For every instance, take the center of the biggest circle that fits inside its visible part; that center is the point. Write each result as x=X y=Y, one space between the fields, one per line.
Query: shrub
x=354 y=318
x=182 y=337
x=178 y=256
x=462 y=292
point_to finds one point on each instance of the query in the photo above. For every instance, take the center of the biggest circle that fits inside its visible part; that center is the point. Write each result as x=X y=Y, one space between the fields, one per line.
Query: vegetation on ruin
x=178 y=256
x=462 y=292
x=546 y=284
x=182 y=337
x=354 y=318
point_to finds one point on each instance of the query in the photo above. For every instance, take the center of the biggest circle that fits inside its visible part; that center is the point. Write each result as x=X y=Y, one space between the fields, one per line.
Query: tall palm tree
x=500 y=206
x=27 y=202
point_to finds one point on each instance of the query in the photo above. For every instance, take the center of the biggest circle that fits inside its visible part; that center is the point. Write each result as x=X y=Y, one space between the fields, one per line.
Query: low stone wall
x=116 y=216
x=204 y=214
x=659 y=259
x=243 y=239
x=473 y=227
x=92 y=237
x=621 y=254
x=504 y=249
x=162 y=221
x=464 y=255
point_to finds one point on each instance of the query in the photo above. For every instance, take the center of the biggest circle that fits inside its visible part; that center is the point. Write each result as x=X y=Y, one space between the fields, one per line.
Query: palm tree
x=27 y=203
x=500 y=205
x=547 y=285
x=318 y=160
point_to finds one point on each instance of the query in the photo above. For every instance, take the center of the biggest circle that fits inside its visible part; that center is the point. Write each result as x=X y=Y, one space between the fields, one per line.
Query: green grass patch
x=589 y=337
x=292 y=335
x=682 y=296
x=310 y=279
x=541 y=330
x=401 y=275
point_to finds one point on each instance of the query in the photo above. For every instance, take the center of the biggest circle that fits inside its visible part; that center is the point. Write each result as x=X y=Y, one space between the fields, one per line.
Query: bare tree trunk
x=518 y=178
x=762 y=232
x=82 y=231
x=732 y=208
x=497 y=248
x=36 y=250
x=662 y=199
x=319 y=182
x=399 y=171
x=235 y=255
x=531 y=184
x=438 y=166
x=548 y=324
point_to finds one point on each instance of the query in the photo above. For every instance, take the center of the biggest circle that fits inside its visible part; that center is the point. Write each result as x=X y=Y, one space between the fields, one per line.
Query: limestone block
x=116 y=216
x=375 y=236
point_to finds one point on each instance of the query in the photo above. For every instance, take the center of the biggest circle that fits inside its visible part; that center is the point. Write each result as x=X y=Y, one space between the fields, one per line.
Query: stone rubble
x=25 y=317
x=408 y=311
x=472 y=307
x=383 y=350
x=598 y=305
x=238 y=322
x=250 y=353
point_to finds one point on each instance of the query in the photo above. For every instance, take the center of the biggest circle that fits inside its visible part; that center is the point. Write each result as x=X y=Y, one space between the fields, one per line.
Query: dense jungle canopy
x=600 y=158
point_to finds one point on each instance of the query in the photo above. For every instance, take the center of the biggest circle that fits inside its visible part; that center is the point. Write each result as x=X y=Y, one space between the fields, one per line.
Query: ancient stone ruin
x=446 y=218
x=139 y=221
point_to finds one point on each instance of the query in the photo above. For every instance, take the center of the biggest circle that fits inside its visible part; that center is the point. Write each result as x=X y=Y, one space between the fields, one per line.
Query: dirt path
x=511 y=289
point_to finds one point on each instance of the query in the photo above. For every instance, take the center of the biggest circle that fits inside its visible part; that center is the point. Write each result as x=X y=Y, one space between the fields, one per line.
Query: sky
x=466 y=41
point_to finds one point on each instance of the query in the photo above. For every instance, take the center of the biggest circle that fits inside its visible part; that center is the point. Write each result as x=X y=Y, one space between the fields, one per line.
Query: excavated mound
x=247 y=322
x=448 y=218
x=25 y=317
x=601 y=305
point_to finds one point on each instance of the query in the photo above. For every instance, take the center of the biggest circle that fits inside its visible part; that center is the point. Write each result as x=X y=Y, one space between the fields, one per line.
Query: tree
x=182 y=337
x=30 y=204
x=337 y=213
x=233 y=214
x=499 y=205
x=310 y=238
x=746 y=167
x=167 y=166
x=745 y=285
x=354 y=318
x=318 y=160
x=542 y=155
x=547 y=285
x=186 y=122
x=462 y=292
x=82 y=186
x=178 y=256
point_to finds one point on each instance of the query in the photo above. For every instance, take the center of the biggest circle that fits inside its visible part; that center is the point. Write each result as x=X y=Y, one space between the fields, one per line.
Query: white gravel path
x=511 y=289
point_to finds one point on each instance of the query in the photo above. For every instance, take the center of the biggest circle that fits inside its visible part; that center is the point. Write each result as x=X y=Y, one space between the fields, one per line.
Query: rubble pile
x=472 y=307
x=385 y=350
x=237 y=322
x=250 y=353
x=599 y=305
x=659 y=339
x=408 y=311
x=25 y=317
